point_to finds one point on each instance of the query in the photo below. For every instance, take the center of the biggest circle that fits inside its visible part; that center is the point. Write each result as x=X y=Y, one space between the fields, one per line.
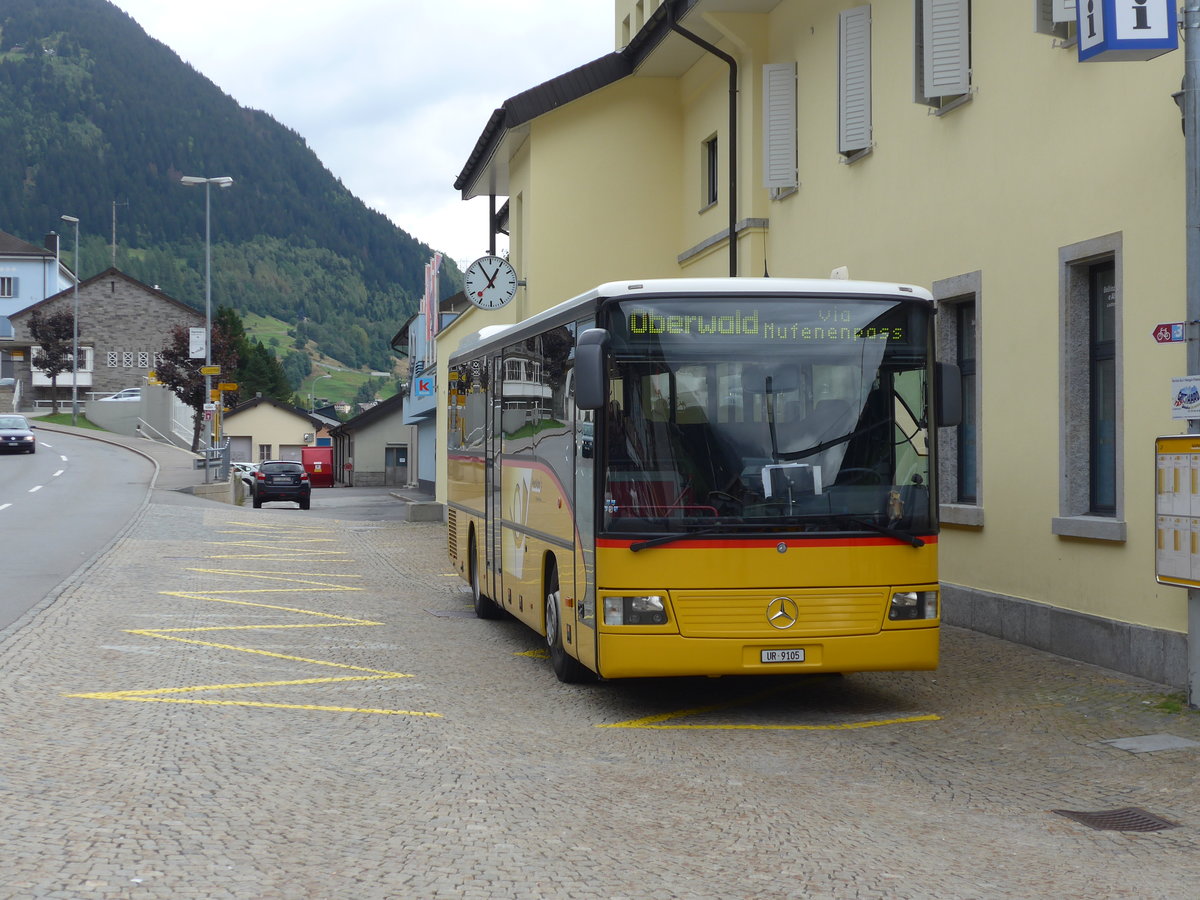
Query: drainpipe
x=733 y=133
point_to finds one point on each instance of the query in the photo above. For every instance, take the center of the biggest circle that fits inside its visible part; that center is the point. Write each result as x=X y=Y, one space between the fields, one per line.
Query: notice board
x=1177 y=510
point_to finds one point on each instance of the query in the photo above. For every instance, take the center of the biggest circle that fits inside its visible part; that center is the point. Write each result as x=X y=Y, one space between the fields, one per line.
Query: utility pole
x=115 y=204
x=1191 y=129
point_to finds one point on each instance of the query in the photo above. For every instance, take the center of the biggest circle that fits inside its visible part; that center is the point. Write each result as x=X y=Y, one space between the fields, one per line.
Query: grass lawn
x=343 y=384
x=65 y=419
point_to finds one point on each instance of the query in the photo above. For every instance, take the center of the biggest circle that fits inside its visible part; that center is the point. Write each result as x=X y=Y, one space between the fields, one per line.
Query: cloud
x=390 y=95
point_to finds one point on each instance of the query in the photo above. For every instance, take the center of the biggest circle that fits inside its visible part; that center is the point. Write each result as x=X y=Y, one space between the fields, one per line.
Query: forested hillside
x=93 y=112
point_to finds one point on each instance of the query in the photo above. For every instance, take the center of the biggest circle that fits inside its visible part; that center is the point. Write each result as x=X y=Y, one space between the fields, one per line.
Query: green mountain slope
x=93 y=111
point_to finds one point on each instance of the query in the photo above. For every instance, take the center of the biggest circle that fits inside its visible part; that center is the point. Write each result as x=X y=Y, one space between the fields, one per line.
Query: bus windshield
x=799 y=415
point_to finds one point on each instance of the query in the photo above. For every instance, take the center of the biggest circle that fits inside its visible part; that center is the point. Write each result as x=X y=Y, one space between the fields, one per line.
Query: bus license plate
x=782 y=656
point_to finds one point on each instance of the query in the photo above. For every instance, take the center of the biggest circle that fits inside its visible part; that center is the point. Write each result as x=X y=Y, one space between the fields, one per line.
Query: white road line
x=35 y=488
x=4 y=506
x=59 y=472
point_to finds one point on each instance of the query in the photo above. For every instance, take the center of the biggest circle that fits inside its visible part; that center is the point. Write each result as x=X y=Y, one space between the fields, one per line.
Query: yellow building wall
x=584 y=184
x=1048 y=153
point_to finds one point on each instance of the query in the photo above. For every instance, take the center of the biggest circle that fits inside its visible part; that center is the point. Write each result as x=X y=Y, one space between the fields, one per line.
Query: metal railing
x=216 y=460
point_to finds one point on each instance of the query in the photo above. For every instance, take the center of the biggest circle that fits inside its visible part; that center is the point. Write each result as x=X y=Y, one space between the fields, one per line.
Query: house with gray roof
x=28 y=275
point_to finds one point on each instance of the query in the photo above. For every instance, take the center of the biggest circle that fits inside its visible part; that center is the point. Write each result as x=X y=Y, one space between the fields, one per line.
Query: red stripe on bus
x=763 y=543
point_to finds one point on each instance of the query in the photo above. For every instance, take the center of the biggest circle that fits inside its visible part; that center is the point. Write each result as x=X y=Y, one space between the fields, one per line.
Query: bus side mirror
x=948 y=395
x=591 y=369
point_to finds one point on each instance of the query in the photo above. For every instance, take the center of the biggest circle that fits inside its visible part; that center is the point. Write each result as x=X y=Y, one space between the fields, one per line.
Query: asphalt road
x=59 y=507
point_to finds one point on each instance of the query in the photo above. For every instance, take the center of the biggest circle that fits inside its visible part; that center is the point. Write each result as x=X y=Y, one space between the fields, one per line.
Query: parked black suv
x=279 y=480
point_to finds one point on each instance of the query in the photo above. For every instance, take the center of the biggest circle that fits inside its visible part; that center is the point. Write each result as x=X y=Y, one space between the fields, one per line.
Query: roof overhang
x=657 y=51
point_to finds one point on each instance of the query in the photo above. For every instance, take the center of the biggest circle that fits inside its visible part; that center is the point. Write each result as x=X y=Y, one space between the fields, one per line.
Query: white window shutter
x=1043 y=16
x=854 y=79
x=947 y=33
x=779 y=125
x=1063 y=10
x=1050 y=15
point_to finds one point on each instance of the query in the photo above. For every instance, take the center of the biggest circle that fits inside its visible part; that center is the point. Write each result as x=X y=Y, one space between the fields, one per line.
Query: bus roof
x=499 y=334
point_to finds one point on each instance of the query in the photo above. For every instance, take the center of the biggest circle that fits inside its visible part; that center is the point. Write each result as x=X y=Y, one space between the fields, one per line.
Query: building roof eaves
x=11 y=245
x=537 y=101
x=558 y=91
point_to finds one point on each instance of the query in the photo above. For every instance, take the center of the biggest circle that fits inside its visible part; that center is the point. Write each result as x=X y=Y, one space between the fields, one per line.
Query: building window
x=1055 y=17
x=968 y=429
x=8 y=287
x=854 y=82
x=942 y=53
x=264 y=452
x=710 y=169
x=959 y=330
x=1102 y=377
x=1091 y=499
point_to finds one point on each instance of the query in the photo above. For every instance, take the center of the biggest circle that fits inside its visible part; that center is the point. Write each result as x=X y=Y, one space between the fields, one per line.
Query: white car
x=127 y=394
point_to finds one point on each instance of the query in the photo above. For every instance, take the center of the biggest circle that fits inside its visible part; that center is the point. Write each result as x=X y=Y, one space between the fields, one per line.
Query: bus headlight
x=913 y=605
x=651 y=610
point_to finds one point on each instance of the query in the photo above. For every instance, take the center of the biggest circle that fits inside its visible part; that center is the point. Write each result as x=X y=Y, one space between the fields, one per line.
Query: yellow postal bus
x=706 y=477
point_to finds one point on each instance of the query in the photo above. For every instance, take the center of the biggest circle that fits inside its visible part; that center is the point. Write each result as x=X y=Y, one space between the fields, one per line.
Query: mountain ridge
x=98 y=118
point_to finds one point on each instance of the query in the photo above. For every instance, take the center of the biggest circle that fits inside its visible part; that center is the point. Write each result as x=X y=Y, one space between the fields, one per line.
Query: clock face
x=490 y=282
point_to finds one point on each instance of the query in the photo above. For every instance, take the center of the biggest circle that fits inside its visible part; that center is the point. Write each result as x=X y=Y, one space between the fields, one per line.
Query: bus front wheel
x=567 y=668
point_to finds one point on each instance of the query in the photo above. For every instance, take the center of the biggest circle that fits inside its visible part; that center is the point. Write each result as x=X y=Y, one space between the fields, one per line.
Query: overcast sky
x=390 y=94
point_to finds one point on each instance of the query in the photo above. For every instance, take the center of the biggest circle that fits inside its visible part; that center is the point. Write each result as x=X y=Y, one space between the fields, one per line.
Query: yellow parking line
x=289 y=582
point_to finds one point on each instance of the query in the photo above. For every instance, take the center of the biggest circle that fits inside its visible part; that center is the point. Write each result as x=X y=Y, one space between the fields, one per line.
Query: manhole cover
x=1130 y=818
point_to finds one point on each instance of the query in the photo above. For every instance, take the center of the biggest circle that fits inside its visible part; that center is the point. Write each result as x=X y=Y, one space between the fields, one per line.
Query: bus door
x=493 y=481
x=587 y=454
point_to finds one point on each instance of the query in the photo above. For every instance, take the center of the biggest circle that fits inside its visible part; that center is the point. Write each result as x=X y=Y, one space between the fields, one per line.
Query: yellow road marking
x=289 y=582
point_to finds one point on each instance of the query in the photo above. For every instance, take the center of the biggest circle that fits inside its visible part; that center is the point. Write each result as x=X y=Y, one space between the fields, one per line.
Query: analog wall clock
x=490 y=282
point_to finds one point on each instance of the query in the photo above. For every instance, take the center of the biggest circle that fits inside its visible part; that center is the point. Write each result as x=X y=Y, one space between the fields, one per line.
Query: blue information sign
x=1118 y=30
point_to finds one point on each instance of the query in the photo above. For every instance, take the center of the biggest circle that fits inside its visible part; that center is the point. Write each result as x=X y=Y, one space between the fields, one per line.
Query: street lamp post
x=75 y=329
x=221 y=181
x=312 y=403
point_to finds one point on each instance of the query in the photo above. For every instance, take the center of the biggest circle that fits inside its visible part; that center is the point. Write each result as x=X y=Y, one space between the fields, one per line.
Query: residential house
x=958 y=144
x=123 y=326
x=263 y=428
x=28 y=275
x=376 y=447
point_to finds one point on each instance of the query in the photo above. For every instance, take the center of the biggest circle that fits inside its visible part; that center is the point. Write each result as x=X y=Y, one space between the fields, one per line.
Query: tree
x=258 y=371
x=56 y=335
x=179 y=372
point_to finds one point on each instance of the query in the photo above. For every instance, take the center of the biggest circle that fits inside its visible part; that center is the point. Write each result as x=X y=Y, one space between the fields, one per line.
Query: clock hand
x=492 y=281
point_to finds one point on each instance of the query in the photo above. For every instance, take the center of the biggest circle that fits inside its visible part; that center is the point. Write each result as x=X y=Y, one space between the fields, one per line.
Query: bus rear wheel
x=485 y=608
x=567 y=668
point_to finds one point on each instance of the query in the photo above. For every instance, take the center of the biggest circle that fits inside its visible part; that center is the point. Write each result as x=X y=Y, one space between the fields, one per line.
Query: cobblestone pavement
x=234 y=705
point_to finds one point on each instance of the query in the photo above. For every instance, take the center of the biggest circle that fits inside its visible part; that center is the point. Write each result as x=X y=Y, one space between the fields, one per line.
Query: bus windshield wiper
x=903 y=536
x=670 y=538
